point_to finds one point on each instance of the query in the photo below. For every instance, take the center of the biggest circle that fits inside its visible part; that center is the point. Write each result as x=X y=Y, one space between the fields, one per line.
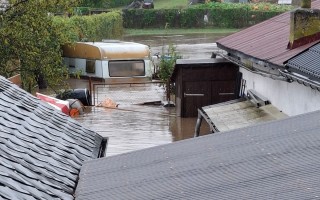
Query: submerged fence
x=129 y=93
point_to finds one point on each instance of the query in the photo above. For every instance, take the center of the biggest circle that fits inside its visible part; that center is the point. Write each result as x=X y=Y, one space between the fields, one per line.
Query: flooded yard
x=132 y=126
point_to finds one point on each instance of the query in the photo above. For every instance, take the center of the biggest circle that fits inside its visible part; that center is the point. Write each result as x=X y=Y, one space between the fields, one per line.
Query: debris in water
x=108 y=103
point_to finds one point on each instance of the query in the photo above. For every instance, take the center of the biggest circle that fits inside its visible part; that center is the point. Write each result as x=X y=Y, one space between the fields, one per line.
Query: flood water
x=132 y=126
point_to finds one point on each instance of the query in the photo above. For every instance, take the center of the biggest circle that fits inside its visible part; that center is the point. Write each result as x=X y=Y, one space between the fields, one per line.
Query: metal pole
x=198 y=125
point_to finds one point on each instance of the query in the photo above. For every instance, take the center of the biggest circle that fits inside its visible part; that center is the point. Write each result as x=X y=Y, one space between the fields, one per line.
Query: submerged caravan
x=109 y=60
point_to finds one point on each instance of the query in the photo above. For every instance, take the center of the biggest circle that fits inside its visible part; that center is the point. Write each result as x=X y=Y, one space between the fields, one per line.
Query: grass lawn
x=163 y=4
x=137 y=32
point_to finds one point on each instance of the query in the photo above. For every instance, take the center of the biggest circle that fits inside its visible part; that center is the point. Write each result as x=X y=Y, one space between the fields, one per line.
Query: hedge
x=194 y=18
x=91 y=28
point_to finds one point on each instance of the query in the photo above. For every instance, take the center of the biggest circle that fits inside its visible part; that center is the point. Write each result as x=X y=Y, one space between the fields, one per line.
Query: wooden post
x=168 y=91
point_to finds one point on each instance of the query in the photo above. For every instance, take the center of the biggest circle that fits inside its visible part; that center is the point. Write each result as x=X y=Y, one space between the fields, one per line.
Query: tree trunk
x=42 y=83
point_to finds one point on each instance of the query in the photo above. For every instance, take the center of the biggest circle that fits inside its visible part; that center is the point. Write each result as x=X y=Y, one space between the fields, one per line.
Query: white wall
x=291 y=98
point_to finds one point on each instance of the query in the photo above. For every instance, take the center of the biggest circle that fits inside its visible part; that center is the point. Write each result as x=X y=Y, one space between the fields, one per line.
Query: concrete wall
x=291 y=98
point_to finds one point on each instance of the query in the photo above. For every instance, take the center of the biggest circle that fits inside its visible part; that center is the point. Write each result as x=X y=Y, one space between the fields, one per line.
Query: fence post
x=168 y=91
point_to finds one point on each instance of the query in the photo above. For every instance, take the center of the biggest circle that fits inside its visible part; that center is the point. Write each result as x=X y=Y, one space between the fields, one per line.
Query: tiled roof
x=266 y=41
x=307 y=63
x=273 y=160
x=41 y=149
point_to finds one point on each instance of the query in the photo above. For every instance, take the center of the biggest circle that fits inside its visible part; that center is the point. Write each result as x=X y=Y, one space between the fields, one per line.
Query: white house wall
x=291 y=98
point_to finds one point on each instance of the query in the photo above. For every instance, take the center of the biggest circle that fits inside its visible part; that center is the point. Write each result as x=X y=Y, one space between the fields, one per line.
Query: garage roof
x=237 y=114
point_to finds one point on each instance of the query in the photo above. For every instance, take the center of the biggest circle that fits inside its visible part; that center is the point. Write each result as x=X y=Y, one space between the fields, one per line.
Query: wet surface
x=188 y=46
x=131 y=126
x=136 y=127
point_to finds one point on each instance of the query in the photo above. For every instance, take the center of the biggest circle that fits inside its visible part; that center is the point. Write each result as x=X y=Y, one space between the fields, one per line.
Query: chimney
x=304 y=25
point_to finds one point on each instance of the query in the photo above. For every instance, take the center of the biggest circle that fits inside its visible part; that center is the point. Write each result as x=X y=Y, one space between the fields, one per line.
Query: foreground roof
x=266 y=41
x=41 y=149
x=273 y=160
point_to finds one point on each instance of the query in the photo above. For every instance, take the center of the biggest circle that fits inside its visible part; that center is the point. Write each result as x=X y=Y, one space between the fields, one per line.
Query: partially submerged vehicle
x=113 y=61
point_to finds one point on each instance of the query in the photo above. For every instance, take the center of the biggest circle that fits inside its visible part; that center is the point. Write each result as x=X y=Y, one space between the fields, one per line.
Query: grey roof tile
x=307 y=63
x=41 y=149
x=273 y=160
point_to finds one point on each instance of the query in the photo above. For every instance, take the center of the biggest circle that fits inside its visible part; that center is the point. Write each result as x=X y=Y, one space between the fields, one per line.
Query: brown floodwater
x=133 y=126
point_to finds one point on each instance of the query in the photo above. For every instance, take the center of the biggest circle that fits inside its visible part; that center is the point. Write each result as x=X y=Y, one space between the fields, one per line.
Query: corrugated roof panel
x=267 y=40
x=41 y=150
x=307 y=62
x=228 y=116
x=274 y=160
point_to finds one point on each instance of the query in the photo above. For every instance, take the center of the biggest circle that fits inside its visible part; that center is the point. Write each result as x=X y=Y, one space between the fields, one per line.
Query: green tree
x=166 y=67
x=30 y=42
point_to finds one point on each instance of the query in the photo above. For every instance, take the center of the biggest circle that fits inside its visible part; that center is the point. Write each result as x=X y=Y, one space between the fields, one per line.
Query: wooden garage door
x=203 y=93
x=196 y=95
x=223 y=91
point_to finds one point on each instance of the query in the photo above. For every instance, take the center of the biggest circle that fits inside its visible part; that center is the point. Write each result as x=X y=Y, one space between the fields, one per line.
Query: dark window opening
x=90 y=66
x=128 y=68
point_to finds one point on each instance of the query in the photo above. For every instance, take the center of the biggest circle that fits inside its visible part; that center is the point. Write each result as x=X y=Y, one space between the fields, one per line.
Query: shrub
x=220 y=15
x=91 y=28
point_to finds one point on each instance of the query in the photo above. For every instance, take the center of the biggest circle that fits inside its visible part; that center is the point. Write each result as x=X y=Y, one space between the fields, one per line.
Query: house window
x=126 y=68
x=90 y=66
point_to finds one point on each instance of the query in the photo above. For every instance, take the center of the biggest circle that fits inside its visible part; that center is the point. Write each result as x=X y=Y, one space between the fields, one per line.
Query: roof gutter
x=255 y=71
x=284 y=75
x=301 y=80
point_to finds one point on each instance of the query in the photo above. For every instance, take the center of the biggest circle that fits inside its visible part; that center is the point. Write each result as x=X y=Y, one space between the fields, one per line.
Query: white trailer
x=112 y=61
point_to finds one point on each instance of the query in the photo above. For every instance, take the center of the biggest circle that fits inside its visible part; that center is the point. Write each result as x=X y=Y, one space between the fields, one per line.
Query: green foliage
x=30 y=43
x=247 y=6
x=220 y=15
x=31 y=39
x=167 y=63
x=91 y=28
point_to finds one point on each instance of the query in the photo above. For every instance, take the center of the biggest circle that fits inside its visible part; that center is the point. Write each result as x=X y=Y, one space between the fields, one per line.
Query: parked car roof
x=41 y=149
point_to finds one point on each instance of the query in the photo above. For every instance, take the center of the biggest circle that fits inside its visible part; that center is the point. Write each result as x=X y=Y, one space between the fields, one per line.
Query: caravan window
x=90 y=66
x=126 y=68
